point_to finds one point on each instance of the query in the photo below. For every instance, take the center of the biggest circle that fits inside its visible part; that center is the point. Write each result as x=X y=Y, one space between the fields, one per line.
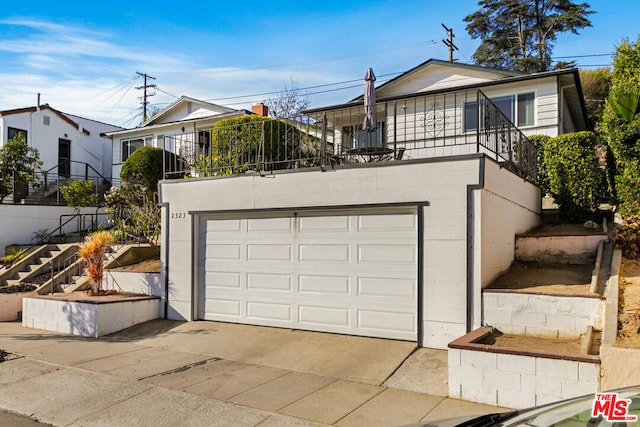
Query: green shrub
x=539 y=141
x=241 y=143
x=574 y=177
x=621 y=125
x=144 y=167
x=12 y=255
x=79 y=194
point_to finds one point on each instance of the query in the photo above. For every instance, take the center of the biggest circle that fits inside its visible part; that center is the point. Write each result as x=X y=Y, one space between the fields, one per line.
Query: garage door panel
x=323 y=285
x=386 y=320
x=264 y=310
x=387 y=254
x=324 y=252
x=270 y=252
x=223 y=279
x=377 y=223
x=269 y=282
x=223 y=307
x=223 y=226
x=220 y=251
x=311 y=224
x=386 y=287
x=270 y=225
x=312 y=315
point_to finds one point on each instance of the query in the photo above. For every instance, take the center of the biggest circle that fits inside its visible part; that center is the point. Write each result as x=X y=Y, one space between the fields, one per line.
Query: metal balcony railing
x=430 y=126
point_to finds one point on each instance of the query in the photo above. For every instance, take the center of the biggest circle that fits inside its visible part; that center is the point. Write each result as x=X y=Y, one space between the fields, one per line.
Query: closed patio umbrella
x=370 y=123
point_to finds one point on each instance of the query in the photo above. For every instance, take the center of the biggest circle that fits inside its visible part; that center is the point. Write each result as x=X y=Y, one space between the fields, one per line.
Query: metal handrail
x=87 y=167
x=42 y=240
x=71 y=264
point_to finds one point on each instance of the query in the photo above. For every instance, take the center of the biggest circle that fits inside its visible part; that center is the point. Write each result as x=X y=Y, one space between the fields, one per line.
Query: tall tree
x=519 y=35
x=18 y=165
x=621 y=124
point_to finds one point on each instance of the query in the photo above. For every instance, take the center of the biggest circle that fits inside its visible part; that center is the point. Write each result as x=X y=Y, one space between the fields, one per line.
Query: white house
x=390 y=232
x=184 y=128
x=69 y=145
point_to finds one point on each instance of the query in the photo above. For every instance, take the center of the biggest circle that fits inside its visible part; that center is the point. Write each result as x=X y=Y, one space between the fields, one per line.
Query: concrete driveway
x=168 y=373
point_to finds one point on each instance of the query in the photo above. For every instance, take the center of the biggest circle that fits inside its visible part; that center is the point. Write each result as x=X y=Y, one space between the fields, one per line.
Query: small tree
x=79 y=194
x=288 y=104
x=18 y=165
x=92 y=252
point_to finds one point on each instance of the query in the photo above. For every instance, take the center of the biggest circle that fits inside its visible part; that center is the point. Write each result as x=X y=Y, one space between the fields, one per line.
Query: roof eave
x=513 y=79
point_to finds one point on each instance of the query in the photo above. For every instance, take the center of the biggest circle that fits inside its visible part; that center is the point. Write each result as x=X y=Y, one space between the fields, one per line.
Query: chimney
x=38 y=104
x=260 y=109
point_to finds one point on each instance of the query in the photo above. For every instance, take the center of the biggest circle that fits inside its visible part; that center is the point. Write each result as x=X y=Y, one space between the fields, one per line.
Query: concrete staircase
x=555 y=286
x=35 y=263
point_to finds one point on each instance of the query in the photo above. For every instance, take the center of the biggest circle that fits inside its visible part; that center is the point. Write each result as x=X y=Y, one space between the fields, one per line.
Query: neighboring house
x=70 y=146
x=398 y=228
x=184 y=128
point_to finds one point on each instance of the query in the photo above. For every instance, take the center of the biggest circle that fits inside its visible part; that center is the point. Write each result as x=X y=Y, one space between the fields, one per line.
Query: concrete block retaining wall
x=558 y=249
x=85 y=318
x=541 y=315
x=518 y=381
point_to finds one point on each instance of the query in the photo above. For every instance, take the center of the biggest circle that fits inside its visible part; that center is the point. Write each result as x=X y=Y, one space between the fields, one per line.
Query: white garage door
x=333 y=272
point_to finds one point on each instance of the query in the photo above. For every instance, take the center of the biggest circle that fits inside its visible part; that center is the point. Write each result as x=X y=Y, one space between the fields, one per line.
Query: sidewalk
x=206 y=373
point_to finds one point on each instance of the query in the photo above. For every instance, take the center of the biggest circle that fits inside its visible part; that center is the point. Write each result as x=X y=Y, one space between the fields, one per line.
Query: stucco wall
x=509 y=206
x=443 y=184
x=19 y=222
x=91 y=148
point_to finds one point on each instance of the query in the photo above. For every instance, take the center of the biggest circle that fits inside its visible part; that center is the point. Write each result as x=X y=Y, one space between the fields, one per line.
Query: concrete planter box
x=517 y=378
x=11 y=305
x=88 y=316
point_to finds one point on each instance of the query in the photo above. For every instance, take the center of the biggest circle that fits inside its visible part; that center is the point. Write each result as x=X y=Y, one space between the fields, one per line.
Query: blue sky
x=83 y=56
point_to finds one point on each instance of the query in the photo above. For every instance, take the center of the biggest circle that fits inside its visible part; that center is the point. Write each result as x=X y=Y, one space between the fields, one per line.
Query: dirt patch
x=528 y=342
x=146 y=266
x=564 y=279
x=629 y=304
x=21 y=287
x=564 y=230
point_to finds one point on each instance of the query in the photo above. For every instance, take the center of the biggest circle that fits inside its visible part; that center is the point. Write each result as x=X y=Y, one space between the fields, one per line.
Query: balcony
x=418 y=127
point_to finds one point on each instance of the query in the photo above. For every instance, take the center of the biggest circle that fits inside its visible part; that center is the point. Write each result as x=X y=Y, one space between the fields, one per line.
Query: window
x=131 y=145
x=525 y=109
x=46 y=120
x=11 y=132
x=204 y=142
x=517 y=108
x=354 y=137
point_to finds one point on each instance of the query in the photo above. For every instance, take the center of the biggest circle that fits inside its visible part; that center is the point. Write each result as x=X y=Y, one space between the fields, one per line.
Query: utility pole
x=146 y=94
x=449 y=42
